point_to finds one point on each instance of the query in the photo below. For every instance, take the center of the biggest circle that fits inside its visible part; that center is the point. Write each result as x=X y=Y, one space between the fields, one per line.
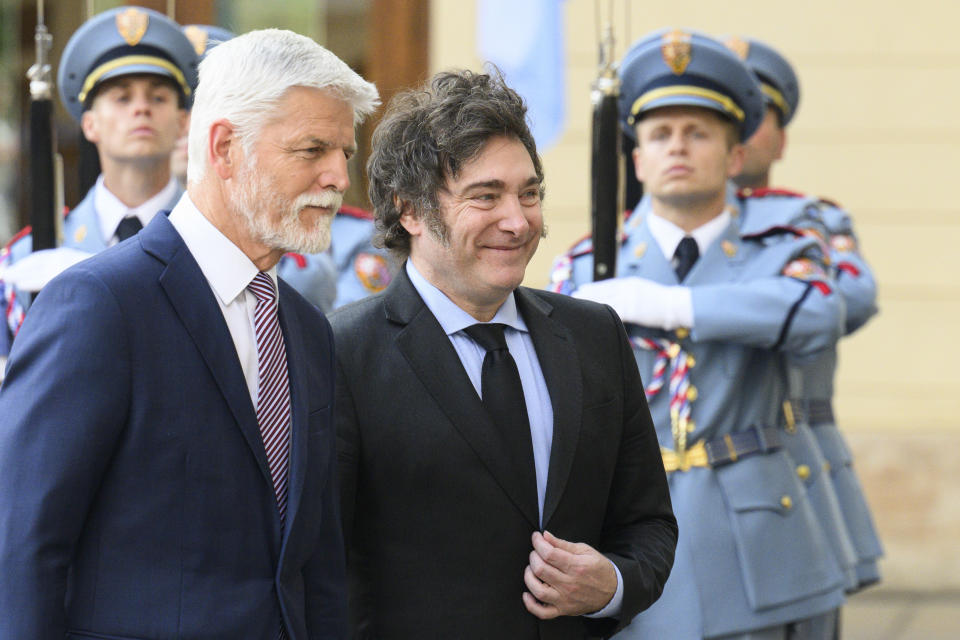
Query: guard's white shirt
x=669 y=235
x=110 y=210
x=229 y=271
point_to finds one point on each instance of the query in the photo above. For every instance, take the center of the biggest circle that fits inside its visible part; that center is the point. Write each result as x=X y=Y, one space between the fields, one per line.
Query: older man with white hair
x=168 y=466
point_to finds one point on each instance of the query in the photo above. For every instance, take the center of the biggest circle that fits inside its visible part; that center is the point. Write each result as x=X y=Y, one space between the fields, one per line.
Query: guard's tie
x=685 y=256
x=128 y=228
x=502 y=396
x=273 y=386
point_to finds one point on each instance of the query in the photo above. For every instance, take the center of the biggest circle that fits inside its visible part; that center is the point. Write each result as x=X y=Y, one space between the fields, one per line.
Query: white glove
x=641 y=301
x=33 y=271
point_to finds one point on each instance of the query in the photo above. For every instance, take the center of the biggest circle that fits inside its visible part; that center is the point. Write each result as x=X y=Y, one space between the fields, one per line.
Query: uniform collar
x=669 y=235
x=110 y=210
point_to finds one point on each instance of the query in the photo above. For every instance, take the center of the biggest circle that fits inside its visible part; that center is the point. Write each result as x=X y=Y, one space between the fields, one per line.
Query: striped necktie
x=273 y=386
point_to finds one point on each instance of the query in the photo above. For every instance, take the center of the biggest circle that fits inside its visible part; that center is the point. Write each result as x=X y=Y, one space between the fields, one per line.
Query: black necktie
x=128 y=227
x=503 y=399
x=686 y=254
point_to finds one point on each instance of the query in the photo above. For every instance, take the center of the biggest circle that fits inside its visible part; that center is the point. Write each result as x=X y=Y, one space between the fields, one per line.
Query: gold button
x=786 y=502
x=803 y=471
x=683 y=333
x=692 y=393
x=691 y=362
x=826 y=467
x=674 y=350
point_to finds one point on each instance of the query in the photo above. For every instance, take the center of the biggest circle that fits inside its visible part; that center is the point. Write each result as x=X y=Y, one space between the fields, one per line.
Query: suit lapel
x=561 y=370
x=299 y=425
x=195 y=304
x=436 y=363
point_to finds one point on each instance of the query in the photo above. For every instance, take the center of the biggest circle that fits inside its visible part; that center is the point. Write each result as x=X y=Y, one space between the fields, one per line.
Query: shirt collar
x=669 y=235
x=110 y=210
x=450 y=316
x=225 y=266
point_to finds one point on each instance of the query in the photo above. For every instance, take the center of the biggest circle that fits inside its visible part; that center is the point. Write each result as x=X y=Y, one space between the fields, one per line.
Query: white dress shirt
x=228 y=271
x=110 y=210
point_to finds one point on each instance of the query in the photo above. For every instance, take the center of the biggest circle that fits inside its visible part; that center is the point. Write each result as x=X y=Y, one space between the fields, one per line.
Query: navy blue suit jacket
x=135 y=498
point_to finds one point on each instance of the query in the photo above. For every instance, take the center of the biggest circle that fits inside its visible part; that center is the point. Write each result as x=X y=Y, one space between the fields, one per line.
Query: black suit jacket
x=438 y=534
x=136 y=499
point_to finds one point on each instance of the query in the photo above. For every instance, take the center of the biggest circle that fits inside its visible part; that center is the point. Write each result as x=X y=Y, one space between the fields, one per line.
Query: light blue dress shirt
x=453 y=320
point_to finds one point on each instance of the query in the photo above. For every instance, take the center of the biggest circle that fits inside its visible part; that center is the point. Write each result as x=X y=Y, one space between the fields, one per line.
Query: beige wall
x=876 y=130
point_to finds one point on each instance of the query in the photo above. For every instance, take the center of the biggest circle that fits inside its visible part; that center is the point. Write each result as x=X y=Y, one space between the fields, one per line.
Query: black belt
x=733 y=446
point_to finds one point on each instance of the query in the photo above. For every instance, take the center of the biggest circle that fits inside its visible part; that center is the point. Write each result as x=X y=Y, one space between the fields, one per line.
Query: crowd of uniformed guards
x=734 y=293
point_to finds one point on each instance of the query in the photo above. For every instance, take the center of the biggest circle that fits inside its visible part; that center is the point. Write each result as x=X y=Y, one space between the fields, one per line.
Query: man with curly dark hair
x=500 y=475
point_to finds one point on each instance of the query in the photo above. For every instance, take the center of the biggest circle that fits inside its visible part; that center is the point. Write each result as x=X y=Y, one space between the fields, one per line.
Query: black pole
x=606 y=167
x=42 y=191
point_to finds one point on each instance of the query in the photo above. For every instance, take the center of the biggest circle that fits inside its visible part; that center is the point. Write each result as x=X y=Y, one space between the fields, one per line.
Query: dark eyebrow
x=497 y=184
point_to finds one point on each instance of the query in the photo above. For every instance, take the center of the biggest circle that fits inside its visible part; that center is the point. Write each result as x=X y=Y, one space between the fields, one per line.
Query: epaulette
x=27 y=230
x=763 y=192
x=586 y=241
x=355 y=212
x=775 y=230
x=299 y=258
x=829 y=202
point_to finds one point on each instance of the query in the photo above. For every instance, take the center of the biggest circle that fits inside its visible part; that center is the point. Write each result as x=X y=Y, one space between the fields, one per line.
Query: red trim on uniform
x=355 y=212
x=298 y=258
x=849 y=268
x=18 y=235
x=823 y=287
x=775 y=230
x=763 y=192
x=828 y=201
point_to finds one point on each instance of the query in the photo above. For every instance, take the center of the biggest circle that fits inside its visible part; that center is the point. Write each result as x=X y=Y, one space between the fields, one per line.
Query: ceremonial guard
x=811 y=379
x=127 y=76
x=711 y=311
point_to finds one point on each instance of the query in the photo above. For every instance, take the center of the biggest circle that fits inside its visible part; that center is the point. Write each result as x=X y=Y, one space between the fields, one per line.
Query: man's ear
x=89 y=126
x=637 y=163
x=737 y=154
x=222 y=149
x=409 y=220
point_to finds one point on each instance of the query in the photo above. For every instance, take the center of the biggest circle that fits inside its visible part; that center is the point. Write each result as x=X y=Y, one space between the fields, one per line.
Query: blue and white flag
x=524 y=38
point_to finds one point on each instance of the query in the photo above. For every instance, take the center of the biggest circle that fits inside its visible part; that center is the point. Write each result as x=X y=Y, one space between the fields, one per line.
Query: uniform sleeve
x=854 y=277
x=314 y=277
x=640 y=531
x=797 y=311
x=64 y=405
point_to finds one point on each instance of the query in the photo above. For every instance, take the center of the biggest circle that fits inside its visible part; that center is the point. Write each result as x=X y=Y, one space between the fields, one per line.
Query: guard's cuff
x=612 y=609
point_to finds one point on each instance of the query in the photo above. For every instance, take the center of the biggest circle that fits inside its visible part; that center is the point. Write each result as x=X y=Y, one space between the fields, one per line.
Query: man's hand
x=641 y=301
x=566 y=578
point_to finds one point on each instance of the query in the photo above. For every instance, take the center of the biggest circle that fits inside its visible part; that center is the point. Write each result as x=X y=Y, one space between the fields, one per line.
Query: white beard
x=256 y=198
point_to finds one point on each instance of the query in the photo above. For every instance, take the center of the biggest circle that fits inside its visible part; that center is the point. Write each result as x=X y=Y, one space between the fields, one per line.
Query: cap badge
x=132 y=24
x=739 y=46
x=197 y=37
x=676 y=50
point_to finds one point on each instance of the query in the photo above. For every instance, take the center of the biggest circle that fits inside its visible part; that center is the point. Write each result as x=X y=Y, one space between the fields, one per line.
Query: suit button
x=682 y=333
x=803 y=471
x=786 y=502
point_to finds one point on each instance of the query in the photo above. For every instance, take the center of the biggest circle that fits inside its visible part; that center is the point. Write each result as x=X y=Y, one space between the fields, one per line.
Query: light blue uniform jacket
x=362 y=269
x=812 y=378
x=752 y=552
